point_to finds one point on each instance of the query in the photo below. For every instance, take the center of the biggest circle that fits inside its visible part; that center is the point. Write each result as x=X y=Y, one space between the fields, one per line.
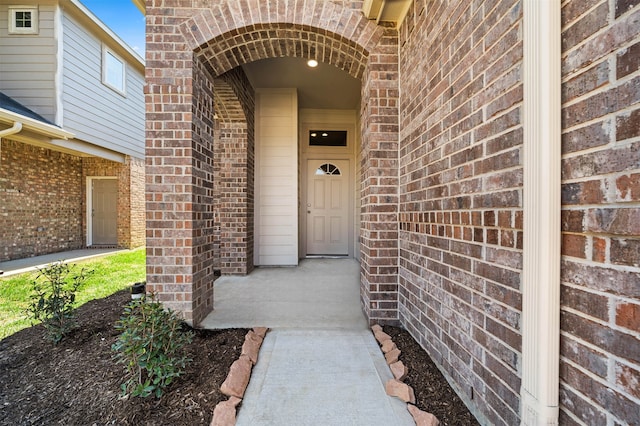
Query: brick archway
x=325 y=31
x=190 y=49
x=265 y=41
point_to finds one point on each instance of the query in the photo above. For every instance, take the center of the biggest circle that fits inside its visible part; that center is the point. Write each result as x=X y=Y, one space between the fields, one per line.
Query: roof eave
x=36 y=126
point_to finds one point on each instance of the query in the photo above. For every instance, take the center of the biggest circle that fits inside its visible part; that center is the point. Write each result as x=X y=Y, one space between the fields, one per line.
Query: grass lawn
x=111 y=274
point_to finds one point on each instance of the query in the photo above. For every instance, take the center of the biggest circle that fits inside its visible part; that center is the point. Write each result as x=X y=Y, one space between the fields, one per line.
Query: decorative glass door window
x=328 y=169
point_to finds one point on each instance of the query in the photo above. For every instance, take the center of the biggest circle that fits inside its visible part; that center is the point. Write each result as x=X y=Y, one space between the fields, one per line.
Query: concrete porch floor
x=318 y=293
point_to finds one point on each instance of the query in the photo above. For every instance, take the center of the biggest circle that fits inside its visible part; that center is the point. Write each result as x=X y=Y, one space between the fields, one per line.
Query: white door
x=327 y=207
x=104 y=211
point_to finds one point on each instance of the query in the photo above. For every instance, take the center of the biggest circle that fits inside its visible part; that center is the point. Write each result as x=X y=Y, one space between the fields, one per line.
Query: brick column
x=179 y=174
x=234 y=100
x=379 y=185
x=235 y=212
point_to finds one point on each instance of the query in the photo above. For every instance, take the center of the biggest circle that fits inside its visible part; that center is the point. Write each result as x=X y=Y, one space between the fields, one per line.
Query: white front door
x=327 y=207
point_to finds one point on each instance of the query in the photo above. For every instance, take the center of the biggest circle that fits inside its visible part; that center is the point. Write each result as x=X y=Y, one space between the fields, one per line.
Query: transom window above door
x=328 y=169
x=327 y=138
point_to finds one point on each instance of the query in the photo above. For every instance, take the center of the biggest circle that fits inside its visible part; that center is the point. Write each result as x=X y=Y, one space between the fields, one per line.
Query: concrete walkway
x=319 y=364
x=19 y=266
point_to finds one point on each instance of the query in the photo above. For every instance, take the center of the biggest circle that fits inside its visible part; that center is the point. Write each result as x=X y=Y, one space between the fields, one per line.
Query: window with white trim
x=113 y=70
x=23 y=20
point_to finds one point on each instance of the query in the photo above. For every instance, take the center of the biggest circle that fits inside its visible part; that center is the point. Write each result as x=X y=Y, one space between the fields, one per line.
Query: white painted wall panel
x=28 y=63
x=276 y=208
x=93 y=111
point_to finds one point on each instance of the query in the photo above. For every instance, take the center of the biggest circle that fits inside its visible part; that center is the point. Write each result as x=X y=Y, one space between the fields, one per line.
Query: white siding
x=93 y=111
x=28 y=63
x=276 y=177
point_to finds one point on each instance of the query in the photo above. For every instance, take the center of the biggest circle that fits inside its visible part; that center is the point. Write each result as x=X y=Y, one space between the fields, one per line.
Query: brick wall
x=43 y=200
x=600 y=297
x=217 y=190
x=136 y=202
x=460 y=237
x=460 y=203
x=41 y=204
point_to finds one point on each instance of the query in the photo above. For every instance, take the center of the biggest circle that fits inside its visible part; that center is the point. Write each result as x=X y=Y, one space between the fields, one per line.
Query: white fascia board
x=89 y=149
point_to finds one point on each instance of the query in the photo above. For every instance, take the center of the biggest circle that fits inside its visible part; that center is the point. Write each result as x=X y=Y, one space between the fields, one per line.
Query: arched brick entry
x=191 y=49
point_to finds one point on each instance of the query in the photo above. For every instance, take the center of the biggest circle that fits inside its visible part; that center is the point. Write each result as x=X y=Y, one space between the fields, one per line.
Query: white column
x=542 y=152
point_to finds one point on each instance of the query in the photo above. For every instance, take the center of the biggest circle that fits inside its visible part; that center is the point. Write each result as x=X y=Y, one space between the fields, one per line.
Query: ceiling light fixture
x=312 y=63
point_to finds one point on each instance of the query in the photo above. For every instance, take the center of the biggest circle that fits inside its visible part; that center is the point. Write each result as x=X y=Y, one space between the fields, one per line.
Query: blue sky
x=123 y=18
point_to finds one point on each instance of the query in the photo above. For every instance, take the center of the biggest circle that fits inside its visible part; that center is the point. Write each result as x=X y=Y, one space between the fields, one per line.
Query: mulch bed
x=433 y=392
x=77 y=382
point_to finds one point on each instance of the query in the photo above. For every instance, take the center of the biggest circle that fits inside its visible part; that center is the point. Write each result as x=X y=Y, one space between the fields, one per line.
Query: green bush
x=151 y=345
x=53 y=297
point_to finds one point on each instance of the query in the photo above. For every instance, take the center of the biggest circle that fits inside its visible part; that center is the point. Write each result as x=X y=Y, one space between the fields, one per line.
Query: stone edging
x=234 y=386
x=396 y=387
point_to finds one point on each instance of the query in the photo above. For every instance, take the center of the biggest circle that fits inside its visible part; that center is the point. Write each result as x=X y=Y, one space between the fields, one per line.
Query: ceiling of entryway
x=323 y=87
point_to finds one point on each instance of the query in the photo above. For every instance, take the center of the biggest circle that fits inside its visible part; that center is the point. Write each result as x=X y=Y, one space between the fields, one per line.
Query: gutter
x=59 y=139
x=27 y=123
x=16 y=128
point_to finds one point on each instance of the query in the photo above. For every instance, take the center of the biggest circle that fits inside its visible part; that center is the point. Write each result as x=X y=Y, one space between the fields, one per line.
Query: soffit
x=323 y=87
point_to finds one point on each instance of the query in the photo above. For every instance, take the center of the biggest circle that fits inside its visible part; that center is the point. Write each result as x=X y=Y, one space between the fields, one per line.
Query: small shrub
x=53 y=298
x=151 y=345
